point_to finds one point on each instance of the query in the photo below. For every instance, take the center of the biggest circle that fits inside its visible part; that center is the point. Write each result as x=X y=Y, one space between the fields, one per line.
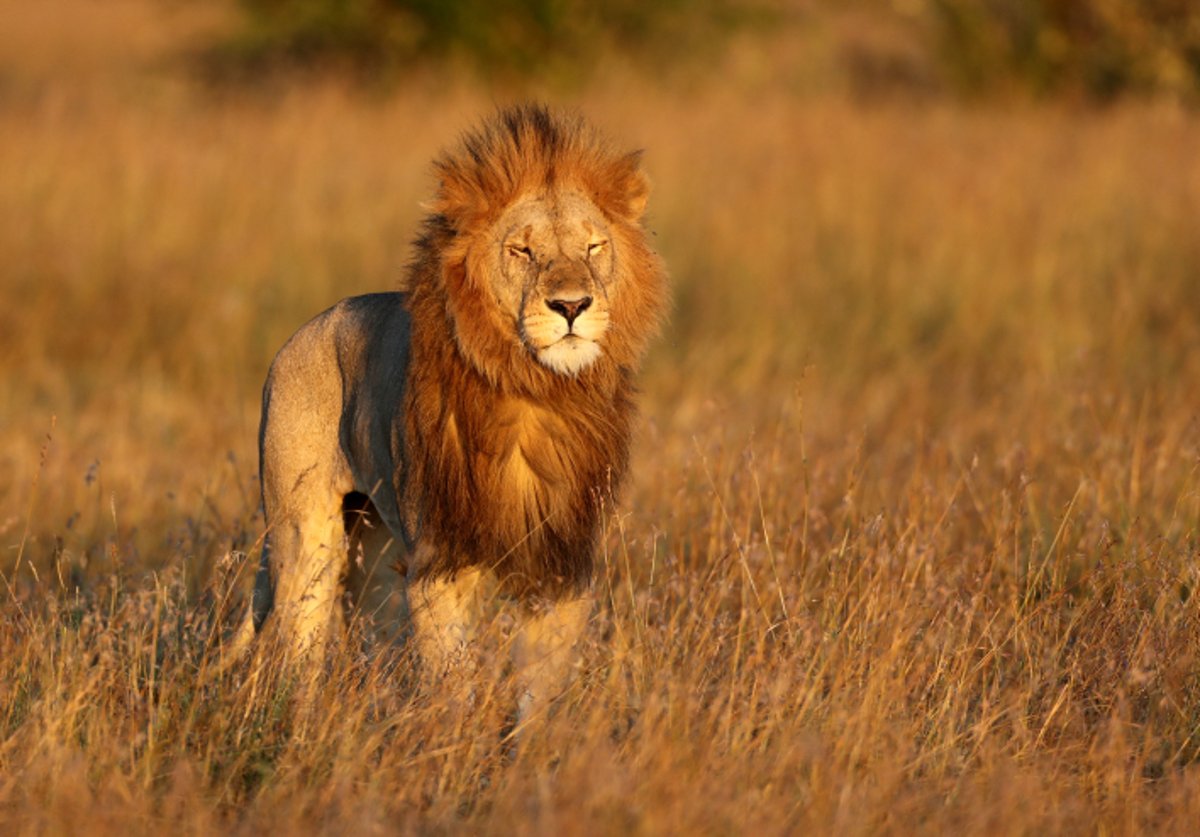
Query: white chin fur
x=569 y=356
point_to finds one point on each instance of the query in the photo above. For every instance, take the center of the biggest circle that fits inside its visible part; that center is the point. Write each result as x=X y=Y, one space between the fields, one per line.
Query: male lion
x=481 y=415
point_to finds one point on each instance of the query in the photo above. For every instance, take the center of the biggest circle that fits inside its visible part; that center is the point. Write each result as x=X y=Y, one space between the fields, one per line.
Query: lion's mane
x=473 y=393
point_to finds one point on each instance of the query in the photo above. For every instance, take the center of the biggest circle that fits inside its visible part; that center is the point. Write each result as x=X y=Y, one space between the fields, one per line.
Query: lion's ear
x=458 y=198
x=637 y=187
x=626 y=189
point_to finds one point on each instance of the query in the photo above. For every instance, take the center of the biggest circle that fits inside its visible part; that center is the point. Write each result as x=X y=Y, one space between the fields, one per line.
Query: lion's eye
x=596 y=247
x=519 y=251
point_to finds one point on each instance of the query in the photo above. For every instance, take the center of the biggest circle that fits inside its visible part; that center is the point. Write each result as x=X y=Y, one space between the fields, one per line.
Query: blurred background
x=1097 y=50
x=967 y=221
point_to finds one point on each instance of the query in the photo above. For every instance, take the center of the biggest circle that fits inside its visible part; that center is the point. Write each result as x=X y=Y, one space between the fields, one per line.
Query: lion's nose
x=570 y=308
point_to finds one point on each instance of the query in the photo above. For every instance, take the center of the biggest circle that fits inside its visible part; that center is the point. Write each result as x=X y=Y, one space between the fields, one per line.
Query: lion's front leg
x=445 y=617
x=544 y=651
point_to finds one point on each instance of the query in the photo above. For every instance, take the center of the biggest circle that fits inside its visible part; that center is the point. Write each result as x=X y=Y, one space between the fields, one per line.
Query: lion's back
x=334 y=396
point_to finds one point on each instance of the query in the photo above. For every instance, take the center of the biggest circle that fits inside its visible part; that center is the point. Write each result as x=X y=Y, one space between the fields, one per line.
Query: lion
x=470 y=426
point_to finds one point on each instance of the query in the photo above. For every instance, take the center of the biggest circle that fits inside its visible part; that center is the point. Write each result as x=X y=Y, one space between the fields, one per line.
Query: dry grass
x=911 y=542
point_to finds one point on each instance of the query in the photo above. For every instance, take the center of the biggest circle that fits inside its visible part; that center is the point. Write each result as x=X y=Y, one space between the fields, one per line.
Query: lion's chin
x=570 y=355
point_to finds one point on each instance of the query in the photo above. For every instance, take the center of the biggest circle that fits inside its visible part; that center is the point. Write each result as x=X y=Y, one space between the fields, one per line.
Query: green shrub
x=516 y=37
x=1100 y=49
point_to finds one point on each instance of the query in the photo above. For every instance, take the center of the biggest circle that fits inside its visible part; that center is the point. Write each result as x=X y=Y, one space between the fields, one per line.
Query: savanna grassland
x=911 y=540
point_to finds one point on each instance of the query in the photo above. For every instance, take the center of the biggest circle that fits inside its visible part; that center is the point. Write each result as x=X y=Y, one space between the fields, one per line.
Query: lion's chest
x=526 y=473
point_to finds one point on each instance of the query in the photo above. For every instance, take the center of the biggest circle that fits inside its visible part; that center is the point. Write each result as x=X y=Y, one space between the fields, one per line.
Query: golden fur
x=482 y=414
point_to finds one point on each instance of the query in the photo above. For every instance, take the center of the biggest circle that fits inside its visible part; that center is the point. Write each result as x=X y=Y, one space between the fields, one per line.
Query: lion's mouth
x=569 y=355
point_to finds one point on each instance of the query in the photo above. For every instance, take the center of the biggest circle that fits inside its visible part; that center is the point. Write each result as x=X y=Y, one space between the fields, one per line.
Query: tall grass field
x=911 y=542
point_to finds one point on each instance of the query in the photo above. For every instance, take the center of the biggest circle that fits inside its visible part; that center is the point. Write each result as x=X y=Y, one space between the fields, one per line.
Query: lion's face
x=554 y=274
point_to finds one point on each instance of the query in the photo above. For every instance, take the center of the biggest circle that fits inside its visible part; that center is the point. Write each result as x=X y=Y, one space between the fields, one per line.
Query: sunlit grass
x=910 y=541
